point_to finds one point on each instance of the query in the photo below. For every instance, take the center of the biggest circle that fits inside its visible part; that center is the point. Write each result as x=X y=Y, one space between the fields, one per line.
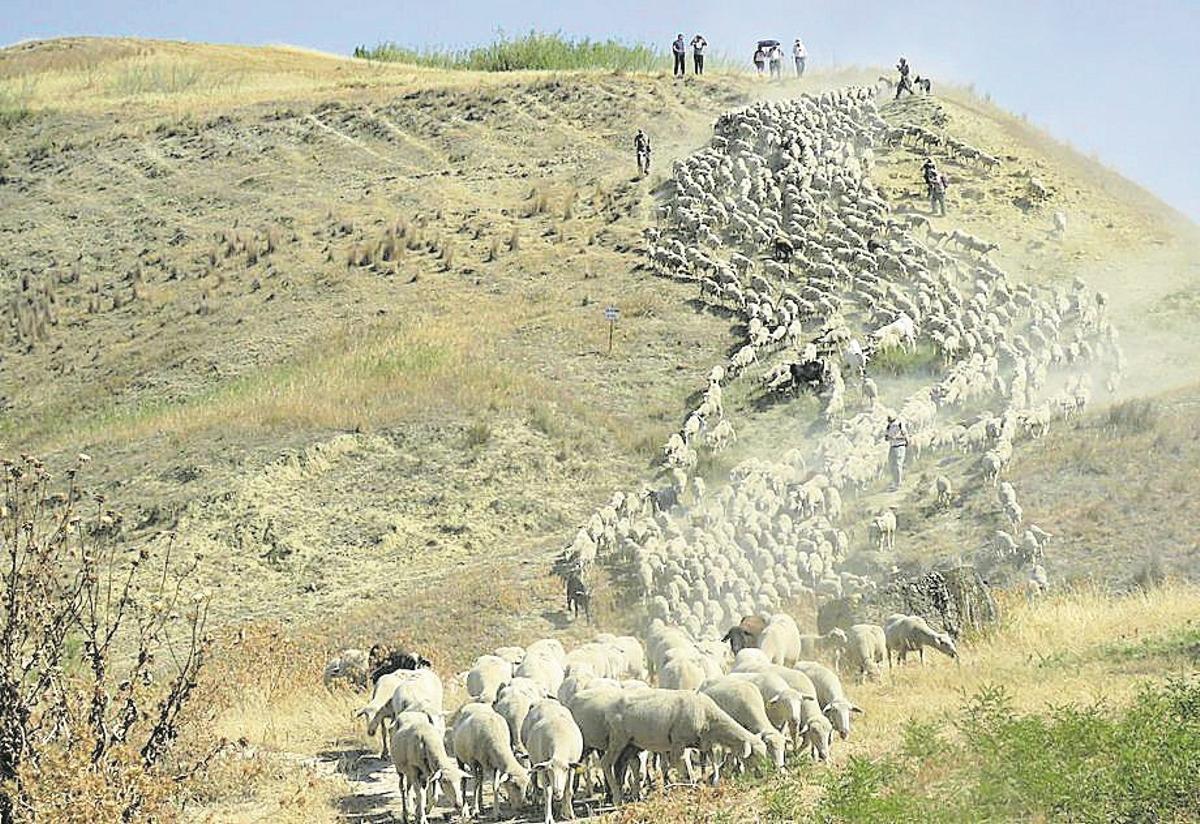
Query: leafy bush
x=100 y=655
x=535 y=50
x=1096 y=763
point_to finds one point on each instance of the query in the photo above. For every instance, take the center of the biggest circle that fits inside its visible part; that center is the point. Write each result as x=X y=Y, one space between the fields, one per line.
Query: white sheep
x=830 y=695
x=487 y=676
x=780 y=640
x=482 y=743
x=667 y=722
x=349 y=665
x=866 y=649
x=555 y=746
x=911 y=633
x=420 y=757
x=744 y=704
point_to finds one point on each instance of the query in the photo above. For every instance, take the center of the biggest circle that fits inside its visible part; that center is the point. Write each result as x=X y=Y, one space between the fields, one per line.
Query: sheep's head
x=517 y=786
x=818 y=733
x=450 y=780
x=775 y=744
x=838 y=712
x=945 y=645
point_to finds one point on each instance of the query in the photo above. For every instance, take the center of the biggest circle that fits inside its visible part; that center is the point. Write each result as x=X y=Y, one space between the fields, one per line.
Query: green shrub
x=1096 y=763
x=536 y=50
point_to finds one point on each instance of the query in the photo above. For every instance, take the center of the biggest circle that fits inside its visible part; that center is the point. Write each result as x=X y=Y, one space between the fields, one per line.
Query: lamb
x=866 y=649
x=911 y=633
x=830 y=695
x=420 y=757
x=746 y=633
x=555 y=747
x=482 y=743
x=744 y=704
x=668 y=722
x=349 y=665
x=486 y=678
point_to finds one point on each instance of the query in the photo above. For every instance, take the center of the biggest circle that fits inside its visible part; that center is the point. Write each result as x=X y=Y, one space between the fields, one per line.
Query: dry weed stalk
x=100 y=655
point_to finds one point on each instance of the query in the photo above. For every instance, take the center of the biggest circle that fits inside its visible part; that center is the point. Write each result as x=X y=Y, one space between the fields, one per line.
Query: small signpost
x=612 y=314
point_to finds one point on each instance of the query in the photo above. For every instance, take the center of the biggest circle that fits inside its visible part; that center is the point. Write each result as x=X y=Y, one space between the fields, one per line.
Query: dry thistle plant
x=100 y=652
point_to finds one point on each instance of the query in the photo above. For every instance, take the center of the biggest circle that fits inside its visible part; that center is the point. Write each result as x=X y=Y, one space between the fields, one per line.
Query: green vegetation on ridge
x=533 y=51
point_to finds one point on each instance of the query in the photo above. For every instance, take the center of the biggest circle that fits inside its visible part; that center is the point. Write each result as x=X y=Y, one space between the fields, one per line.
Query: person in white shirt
x=801 y=55
x=896 y=434
x=775 y=58
x=699 y=44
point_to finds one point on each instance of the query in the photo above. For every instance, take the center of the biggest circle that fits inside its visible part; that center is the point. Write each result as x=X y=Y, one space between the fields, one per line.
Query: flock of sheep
x=778 y=223
x=542 y=723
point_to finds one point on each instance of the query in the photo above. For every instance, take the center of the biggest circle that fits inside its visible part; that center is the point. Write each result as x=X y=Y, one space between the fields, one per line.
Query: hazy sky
x=1114 y=77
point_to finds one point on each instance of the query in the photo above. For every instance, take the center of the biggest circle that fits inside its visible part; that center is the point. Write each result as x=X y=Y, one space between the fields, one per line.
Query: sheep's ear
x=803 y=730
x=775 y=700
x=746 y=749
x=857 y=709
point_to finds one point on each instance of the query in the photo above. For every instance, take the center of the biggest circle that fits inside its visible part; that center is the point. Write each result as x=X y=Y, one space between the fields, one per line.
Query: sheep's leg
x=495 y=795
x=403 y=798
x=547 y=783
x=567 y=807
x=477 y=772
x=616 y=747
x=420 y=800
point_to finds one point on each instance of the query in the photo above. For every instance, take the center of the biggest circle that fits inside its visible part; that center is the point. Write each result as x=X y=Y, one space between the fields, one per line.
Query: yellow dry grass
x=1054 y=651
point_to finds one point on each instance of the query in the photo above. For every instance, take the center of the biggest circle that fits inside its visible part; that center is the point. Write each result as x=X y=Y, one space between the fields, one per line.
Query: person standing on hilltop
x=699 y=44
x=760 y=60
x=679 y=49
x=905 y=81
x=801 y=56
x=641 y=148
x=896 y=434
x=776 y=58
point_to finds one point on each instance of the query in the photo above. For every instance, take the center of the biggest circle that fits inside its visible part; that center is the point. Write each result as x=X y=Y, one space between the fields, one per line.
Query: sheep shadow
x=557 y=618
x=366 y=768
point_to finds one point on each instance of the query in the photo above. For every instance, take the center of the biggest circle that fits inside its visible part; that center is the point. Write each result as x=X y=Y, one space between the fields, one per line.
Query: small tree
x=98 y=654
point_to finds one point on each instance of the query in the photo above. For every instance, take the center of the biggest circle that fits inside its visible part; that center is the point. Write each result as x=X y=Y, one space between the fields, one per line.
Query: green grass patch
x=1095 y=763
x=923 y=359
x=533 y=51
x=14 y=103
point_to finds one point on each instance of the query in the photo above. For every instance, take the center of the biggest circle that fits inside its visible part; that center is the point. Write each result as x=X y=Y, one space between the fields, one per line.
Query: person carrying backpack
x=699 y=44
x=760 y=60
x=679 y=49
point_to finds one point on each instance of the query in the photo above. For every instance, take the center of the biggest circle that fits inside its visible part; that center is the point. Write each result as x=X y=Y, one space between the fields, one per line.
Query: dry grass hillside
x=338 y=326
